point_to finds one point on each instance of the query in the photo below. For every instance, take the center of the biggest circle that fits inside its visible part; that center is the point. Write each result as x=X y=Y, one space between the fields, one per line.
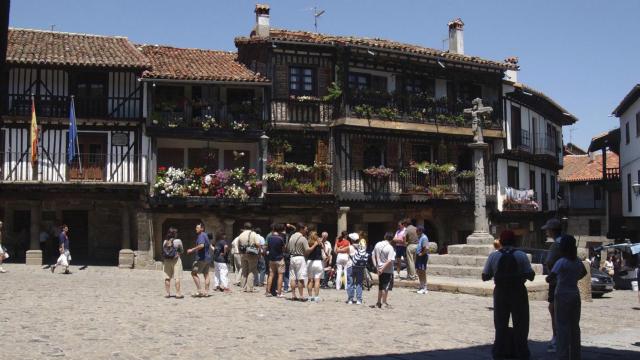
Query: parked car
x=601 y=283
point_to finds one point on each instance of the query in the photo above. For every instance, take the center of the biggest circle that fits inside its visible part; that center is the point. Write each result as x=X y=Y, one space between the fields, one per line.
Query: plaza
x=109 y=313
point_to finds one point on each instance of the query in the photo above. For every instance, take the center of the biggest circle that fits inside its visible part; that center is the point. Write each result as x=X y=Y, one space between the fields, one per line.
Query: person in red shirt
x=342 y=249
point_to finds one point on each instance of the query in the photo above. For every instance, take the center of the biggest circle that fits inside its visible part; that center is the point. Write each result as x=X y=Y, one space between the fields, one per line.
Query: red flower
x=162 y=169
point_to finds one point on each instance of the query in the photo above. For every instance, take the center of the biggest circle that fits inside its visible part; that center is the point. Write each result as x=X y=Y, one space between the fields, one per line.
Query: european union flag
x=72 y=140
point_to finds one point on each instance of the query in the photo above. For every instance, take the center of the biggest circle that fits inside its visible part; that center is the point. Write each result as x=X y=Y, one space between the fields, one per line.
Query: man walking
x=63 y=247
x=509 y=268
x=422 y=257
x=202 y=261
x=384 y=255
x=553 y=231
x=249 y=247
x=220 y=271
x=411 y=238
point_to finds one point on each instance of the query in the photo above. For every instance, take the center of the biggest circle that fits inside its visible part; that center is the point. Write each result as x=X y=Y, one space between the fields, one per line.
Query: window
x=629 y=199
x=421 y=153
x=361 y=81
x=418 y=85
x=516 y=123
x=553 y=187
x=638 y=124
x=303 y=151
x=595 y=227
x=373 y=156
x=532 y=183
x=626 y=133
x=301 y=81
x=513 y=180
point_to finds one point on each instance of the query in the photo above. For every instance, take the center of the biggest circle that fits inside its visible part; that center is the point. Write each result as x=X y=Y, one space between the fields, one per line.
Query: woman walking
x=314 y=267
x=172 y=264
x=567 y=270
x=342 y=257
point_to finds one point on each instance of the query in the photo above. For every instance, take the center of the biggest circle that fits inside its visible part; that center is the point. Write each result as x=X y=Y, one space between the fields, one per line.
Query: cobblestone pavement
x=106 y=313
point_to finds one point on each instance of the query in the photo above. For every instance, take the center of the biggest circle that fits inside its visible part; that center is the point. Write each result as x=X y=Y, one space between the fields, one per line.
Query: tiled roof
x=324 y=39
x=196 y=64
x=578 y=168
x=628 y=100
x=39 y=47
x=570 y=118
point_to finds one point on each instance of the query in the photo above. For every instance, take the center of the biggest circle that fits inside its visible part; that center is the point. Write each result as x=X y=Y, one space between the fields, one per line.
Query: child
x=567 y=270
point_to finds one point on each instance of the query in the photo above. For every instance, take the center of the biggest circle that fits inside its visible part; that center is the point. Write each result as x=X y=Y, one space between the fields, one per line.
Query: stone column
x=480 y=233
x=34 y=254
x=264 y=153
x=342 y=219
x=125 y=258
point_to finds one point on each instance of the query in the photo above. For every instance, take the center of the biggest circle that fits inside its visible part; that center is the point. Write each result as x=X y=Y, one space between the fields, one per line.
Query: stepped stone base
x=480 y=238
x=126 y=259
x=34 y=257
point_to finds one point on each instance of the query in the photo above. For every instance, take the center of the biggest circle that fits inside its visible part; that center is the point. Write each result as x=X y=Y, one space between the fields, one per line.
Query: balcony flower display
x=209 y=122
x=236 y=184
x=298 y=178
x=237 y=125
x=380 y=172
x=304 y=98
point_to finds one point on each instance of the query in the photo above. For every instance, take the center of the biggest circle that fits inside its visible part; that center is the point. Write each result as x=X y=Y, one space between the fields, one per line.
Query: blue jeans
x=355 y=278
x=285 y=276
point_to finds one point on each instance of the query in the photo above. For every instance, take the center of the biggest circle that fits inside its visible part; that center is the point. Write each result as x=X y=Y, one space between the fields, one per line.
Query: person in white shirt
x=259 y=279
x=384 y=255
x=237 y=260
x=327 y=257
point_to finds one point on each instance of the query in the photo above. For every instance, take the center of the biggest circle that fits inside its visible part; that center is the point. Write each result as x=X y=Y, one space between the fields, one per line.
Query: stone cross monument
x=480 y=233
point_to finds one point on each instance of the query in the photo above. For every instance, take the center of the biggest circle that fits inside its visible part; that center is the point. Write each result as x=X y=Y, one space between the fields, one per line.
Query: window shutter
x=322 y=151
x=392 y=156
x=281 y=86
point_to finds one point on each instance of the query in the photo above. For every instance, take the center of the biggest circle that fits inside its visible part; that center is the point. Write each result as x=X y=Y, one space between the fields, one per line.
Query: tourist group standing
x=510 y=269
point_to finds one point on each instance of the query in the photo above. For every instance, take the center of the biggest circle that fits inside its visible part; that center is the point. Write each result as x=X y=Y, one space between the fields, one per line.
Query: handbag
x=252 y=248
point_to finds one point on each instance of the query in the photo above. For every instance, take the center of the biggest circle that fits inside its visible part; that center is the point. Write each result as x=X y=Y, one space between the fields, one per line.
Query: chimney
x=456 y=41
x=262 y=21
x=512 y=75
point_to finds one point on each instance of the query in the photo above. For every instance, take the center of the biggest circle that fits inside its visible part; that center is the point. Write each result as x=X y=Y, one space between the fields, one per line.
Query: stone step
x=466 y=271
x=475 y=250
x=464 y=260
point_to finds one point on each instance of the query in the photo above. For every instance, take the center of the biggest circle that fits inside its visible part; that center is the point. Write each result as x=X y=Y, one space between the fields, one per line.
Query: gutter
x=213 y=82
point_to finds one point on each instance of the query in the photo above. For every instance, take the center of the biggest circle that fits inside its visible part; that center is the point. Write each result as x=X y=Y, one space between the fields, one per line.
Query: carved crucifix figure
x=475 y=112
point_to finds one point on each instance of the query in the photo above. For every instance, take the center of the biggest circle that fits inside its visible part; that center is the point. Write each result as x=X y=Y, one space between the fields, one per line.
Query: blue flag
x=72 y=140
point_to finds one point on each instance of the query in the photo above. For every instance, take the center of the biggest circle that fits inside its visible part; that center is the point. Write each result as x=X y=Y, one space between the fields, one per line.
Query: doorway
x=19 y=243
x=78 y=223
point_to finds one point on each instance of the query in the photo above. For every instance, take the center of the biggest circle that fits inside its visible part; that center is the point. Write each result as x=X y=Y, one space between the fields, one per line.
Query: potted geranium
x=376 y=179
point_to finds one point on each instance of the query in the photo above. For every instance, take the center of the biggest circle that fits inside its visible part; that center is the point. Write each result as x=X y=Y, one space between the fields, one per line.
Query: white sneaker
x=421 y=291
x=358 y=302
x=350 y=302
x=2 y=270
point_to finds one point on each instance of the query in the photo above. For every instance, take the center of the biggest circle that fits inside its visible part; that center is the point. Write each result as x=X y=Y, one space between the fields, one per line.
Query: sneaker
x=358 y=302
x=349 y=302
x=2 y=270
x=421 y=291
x=53 y=268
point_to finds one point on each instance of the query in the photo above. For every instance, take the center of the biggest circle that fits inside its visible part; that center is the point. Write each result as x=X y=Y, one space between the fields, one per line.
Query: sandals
x=179 y=296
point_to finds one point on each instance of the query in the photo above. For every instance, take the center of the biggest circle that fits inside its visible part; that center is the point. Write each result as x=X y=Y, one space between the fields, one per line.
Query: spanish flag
x=34 y=133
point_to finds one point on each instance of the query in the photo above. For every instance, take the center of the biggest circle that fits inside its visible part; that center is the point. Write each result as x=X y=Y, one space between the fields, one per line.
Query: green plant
x=291 y=185
x=466 y=174
x=388 y=112
x=307 y=188
x=334 y=92
x=438 y=191
x=363 y=111
x=279 y=144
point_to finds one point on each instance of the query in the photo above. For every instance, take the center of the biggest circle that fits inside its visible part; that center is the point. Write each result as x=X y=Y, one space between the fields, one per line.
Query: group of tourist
x=510 y=268
x=294 y=257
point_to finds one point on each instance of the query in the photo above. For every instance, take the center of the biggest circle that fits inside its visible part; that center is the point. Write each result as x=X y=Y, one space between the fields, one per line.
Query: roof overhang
x=543 y=103
x=610 y=139
x=631 y=97
x=204 y=82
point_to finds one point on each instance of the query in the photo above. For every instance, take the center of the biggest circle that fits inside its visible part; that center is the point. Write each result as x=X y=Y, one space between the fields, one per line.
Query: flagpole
x=73 y=103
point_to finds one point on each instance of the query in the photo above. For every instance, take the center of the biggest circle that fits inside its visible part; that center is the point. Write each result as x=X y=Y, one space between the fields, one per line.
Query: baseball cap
x=552 y=224
x=354 y=236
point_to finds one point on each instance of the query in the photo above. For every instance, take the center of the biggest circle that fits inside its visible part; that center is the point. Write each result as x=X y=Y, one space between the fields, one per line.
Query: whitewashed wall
x=630 y=160
x=523 y=174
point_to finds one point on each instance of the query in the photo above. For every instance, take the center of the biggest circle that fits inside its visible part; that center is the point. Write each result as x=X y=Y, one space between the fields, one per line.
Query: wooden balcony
x=302 y=111
x=86 y=107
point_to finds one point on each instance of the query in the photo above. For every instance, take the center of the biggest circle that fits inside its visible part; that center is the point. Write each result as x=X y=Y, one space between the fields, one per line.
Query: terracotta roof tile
x=196 y=64
x=39 y=47
x=579 y=168
x=324 y=39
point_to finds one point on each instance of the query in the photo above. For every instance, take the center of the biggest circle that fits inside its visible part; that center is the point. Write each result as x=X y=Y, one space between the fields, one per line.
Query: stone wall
x=578 y=226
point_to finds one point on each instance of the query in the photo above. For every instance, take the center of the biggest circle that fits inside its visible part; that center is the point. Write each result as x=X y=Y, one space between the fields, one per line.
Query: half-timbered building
x=97 y=191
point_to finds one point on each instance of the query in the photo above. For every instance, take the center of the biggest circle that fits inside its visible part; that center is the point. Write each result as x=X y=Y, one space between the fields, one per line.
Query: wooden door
x=90 y=163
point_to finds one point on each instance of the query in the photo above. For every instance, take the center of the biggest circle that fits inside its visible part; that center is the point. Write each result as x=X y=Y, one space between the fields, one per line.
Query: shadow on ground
x=538 y=352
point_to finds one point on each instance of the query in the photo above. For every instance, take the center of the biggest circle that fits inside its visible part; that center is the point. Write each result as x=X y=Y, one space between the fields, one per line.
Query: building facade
x=628 y=111
x=341 y=132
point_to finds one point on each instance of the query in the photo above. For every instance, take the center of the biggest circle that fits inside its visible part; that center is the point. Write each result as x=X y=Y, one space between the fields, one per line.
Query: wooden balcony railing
x=246 y=116
x=613 y=174
x=86 y=107
x=306 y=111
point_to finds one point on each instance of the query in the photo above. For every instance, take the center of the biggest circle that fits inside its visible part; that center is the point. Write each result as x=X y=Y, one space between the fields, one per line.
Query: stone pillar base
x=584 y=284
x=125 y=259
x=480 y=238
x=34 y=257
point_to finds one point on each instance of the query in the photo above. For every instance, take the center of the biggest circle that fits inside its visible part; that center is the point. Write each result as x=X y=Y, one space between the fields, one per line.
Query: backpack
x=169 y=252
x=360 y=258
x=508 y=273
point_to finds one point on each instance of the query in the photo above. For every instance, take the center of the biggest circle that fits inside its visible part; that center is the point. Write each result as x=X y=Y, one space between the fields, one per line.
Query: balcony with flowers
x=520 y=200
x=195 y=185
x=294 y=178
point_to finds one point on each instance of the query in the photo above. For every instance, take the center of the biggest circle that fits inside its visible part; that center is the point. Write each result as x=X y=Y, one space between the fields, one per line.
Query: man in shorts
x=553 y=230
x=422 y=257
x=384 y=255
x=202 y=262
x=63 y=247
x=400 y=244
x=298 y=247
x=275 y=257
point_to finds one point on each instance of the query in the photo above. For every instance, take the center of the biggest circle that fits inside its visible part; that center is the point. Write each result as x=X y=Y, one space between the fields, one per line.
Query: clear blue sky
x=583 y=53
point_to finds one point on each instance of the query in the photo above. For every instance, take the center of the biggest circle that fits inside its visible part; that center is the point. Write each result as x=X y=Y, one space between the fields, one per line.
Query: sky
x=582 y=53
